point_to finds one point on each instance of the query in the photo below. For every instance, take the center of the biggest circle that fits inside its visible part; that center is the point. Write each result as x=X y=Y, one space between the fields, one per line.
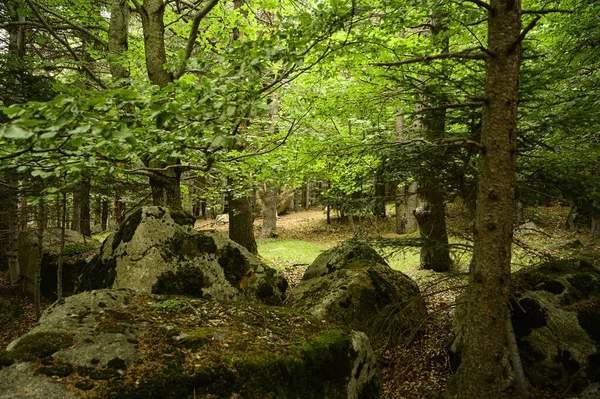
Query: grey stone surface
x=351 y=285
x=19 y=381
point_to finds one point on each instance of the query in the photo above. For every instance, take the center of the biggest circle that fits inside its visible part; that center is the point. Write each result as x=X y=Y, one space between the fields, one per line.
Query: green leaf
x=16 y=133
x=122 y=133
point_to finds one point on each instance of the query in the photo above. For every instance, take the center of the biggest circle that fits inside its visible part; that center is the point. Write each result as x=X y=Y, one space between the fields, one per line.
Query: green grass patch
x=288 y=252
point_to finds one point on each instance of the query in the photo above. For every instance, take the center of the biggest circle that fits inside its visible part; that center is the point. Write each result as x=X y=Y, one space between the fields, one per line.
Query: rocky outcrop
x=125 y=344
x=157 y=250
x=555 y=310
x=352 y=285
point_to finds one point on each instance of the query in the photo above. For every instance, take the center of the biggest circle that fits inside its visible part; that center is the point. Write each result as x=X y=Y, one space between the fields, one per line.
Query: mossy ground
x=216 y=350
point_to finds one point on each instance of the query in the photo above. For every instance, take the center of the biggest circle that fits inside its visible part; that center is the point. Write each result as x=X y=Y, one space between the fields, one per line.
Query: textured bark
x=165 y=185
x=59 y=270
x=76 y=209
x=379 y=205
x=406 y=204
x=104 y=214
x=480 y=372
x=118 y=43
x=117 y=211
x=431 y=217
x=240 y=223
x=37 y=276
x=84 y=209
x=269 y=224
x=152 y=15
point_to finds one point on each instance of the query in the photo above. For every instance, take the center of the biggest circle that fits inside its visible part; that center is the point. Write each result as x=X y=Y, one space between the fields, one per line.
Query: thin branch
x=64 y=43
x=542 y=12
x=481 y=4
x=462 y=55
x=524 y=32
x=74 y=26
x=464 y=140
x=194 y=34
x=449 y=106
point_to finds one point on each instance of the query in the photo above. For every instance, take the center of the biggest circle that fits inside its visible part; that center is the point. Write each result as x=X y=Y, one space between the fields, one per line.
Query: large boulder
x=125 y=344
x=555 y=311
x=157 y=250
x=352 y=285
x=73 y=262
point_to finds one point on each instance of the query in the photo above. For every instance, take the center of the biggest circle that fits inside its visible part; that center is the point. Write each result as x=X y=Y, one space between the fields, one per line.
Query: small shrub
x=168 y=306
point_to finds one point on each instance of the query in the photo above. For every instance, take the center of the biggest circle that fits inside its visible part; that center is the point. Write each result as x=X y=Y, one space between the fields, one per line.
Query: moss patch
x=181 y=217
x=5 y=359
x=234 y=264
x=55 y=368
x=41 y=344
x=192 y=245
x=127 y=229
x=186 y=280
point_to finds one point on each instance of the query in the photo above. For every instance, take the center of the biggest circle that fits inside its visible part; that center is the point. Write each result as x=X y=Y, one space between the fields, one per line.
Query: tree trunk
x=379 y=205
x=38 y=270
x=431 y=217
x=76 y=210
x=10 y=240
x=59 y=270
x=118 y=39
x=269 y=225
x=84 y=210
x=406 y=204
x=117 y=214
x=480 y=372
x=241 y=229
x=165 y=185
x=104 y=215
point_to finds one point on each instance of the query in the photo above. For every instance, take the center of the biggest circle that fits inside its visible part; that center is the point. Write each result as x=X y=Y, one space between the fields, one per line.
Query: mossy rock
x=230 y=350
x=187 y=280
x=556 y=314
x=41 y=344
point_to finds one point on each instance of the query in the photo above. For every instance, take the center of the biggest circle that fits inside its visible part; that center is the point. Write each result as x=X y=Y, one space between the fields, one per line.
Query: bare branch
x=462 y=55
x=542 y=12
x=449 y=106
x=194 y=34
x=72 y=25
x=64 y=43
x=464 y=140
x=525 y=31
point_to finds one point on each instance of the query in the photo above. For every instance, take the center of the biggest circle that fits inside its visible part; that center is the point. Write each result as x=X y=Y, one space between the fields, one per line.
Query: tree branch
x=71 y=24
x=194 y=34
x=542 y=12
x=524 y=32
x=64 y=43
x=481 y=4
x=462 y=54
x=449 y=106
x=464 y=140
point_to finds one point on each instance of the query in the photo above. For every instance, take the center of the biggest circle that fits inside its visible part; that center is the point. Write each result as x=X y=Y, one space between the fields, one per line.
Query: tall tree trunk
x=11 y=239
x=240 y=223
x=431 y=217
x=480 y=372
x=59 y=270
x=38 y=271
x=104 y=215
x=379 y=205
x=118 y=39
x=431 y=213
x=406 y=204
x=269 y=224
x=165 y=185
x=118 y=211
x=85 y=227
x=76 y=209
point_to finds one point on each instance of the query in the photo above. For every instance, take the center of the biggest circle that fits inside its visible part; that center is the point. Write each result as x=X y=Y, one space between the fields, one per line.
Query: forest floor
x=418 y=369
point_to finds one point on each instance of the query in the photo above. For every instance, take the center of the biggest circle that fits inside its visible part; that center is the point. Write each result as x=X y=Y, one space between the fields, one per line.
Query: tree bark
x=104 y=215
x=406 y=204
x=84 y=210
x=480 y=372
x=38 y=270
x=269 y=224
x=431 y=217
x=240 y=223
x=76 y=210
x=379 y=205
x=118 y=39
x=59 y=270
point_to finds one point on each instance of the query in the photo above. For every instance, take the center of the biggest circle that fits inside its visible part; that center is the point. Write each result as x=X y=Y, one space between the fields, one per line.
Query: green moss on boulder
x=187 y=280
x=41 y=344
